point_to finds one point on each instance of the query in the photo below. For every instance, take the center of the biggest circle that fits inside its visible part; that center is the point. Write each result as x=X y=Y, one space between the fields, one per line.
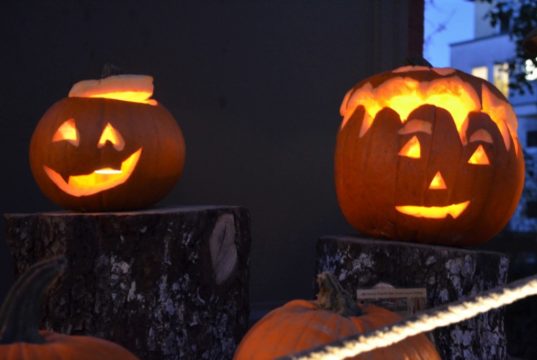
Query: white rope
x=425 y=321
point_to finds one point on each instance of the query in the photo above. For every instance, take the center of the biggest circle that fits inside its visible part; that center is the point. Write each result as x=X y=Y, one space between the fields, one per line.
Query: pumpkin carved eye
x=67 y=132
x=479 y=157
x=412 y=148
x=113 y=136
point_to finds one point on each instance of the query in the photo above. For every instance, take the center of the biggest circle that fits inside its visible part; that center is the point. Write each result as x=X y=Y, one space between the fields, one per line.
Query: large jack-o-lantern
x=108 y=146
x=428 y=155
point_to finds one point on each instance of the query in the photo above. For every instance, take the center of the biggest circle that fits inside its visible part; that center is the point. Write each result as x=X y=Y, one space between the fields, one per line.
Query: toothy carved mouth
x=97 y=181
x=434 y=212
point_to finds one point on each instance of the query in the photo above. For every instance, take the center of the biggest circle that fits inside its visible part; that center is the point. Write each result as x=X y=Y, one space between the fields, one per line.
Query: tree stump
x=447 y=274
x=166 y=284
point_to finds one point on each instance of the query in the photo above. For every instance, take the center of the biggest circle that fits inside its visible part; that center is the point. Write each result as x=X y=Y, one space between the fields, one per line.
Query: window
x=501 y=78
x=531 y=138
x=481 y=72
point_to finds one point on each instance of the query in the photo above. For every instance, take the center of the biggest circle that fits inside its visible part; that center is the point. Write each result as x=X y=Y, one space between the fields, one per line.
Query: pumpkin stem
x=333 y=297
x=417 y=61
x=110 y=69
x=20 y=312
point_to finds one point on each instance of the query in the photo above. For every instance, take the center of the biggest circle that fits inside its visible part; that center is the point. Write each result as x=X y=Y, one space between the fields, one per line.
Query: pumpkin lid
x=133 y=88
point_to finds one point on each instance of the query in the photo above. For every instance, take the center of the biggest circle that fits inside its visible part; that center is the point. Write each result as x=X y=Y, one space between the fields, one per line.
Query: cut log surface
x=166 y=284
x=448 y=274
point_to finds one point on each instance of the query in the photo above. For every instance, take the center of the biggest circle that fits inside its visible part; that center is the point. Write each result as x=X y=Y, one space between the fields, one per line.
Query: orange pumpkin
x=19 y=320
x=301 y=325
x=108 y=146
x=428 y=155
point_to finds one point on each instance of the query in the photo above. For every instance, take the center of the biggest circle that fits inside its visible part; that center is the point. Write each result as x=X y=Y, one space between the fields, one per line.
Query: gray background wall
x=255 y=86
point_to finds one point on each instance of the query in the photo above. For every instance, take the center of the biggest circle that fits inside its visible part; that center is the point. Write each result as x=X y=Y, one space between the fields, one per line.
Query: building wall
x=489 y=51
x=255 y=85
x=485 y=51
x=482 y=27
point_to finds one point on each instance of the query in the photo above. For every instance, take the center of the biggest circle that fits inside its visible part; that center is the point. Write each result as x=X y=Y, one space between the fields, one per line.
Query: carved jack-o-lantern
x=428 y=155
x=108 y=146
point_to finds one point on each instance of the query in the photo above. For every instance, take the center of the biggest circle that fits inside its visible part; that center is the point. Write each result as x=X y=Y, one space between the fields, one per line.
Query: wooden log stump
x=447 y=274
x=166 y=284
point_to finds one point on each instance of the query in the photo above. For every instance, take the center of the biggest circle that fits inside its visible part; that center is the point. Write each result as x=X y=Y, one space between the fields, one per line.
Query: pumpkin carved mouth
x=434 y=212
x=97 y=181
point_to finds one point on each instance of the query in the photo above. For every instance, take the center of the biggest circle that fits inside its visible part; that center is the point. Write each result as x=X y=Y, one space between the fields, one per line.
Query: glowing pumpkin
x=301 y=325
x=108 y=146
x=428 y=155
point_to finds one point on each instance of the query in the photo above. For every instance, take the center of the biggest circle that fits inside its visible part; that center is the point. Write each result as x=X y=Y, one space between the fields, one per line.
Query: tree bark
x=448 y=274
x=165 y=284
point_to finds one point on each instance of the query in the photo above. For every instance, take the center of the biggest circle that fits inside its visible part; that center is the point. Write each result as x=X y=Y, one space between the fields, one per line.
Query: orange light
x=132 y=96
x=97 y=181
x=434 y=212
x=67 y=132
x=438 y=182
x=107 y=171
x=412 y=148
x=502 y=114
x=113 y=136
x=481 y=135
x=479 y=157
x=133 y=88
x=415 y=126
x=404 y=95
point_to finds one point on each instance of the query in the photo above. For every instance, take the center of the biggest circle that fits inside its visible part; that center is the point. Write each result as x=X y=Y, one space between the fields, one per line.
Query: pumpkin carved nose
x=438 y=182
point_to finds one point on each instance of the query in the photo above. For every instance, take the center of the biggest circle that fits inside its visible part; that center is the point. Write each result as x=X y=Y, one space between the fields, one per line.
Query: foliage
x=517 y=18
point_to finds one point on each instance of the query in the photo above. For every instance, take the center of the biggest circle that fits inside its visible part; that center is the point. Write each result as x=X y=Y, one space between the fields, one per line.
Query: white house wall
x=488 y=51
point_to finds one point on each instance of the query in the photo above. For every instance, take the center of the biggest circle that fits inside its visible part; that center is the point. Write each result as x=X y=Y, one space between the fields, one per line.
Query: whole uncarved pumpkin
x=428 y=155
x=301 y=325
x=19 y=319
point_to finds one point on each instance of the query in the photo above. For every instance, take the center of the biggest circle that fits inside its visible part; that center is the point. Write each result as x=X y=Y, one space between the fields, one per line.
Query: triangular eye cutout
x=112 y=135
x=479 y=157
x=67 y=132
x=438 y=182
x=412 y=148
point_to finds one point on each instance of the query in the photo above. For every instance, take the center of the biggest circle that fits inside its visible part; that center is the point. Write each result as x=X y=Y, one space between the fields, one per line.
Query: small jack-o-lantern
x=108 y=146
x=428 y=155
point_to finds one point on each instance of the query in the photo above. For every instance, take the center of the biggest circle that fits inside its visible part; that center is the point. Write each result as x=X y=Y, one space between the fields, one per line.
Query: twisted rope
x=424 y=321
